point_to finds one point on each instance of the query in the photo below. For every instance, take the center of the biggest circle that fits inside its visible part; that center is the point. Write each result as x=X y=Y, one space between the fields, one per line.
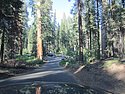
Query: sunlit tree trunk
x=39 y=32
x=80 y=31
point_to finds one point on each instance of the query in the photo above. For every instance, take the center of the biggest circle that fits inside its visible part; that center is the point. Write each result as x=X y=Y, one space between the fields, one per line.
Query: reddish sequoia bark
x=39 y=32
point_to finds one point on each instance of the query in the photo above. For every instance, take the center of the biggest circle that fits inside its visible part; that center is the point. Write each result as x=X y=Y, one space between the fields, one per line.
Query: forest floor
x=106 y=75
x=14 y=68
x=6 y=73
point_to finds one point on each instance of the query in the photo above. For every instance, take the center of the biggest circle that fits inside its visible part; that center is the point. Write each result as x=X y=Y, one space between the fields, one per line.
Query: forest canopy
x=95 y=32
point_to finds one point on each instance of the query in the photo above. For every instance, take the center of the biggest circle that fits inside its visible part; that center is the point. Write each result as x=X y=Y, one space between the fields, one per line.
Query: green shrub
x=70 y=61
x=108 y=63
x=29 y=59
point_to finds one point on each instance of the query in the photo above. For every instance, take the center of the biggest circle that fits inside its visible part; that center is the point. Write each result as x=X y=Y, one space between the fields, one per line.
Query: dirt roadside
x=14 y=68
x=108 y=78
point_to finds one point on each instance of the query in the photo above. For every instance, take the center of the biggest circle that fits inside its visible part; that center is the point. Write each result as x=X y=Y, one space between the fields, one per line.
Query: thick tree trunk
x=39 y=32
x=104 y=28
x=121 y=35
x=123 y=32
x=80 y=31
x=121 y=47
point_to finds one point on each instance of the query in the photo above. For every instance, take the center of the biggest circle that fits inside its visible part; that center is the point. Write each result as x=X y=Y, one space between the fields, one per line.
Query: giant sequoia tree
x=42 y=26
x=39 y=31
x=95 y=31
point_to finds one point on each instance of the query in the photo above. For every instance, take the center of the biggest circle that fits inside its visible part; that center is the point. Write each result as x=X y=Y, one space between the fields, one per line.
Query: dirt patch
x=118 y=70
x=14 y=68
x=108 y=78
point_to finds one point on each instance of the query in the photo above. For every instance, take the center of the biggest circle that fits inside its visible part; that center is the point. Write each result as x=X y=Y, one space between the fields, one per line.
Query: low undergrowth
x=73 y=64
x=29 y=60
x=108 y=63
x=70 y=63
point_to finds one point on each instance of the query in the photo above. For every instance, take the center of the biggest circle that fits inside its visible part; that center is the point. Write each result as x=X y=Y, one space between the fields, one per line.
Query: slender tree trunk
x=98 y=33
x=90 y=42
x=2 y=46
x=123 y=35
x=39 y=32
x=90 y=39
x=80 y=31
x=20 y=43
x=58 y=39
x=90 y=34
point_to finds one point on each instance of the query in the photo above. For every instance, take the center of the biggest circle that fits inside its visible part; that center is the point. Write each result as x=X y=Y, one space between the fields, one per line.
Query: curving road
x=49 y=72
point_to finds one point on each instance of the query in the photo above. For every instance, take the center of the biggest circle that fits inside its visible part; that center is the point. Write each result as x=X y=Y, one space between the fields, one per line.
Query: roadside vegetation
x=105 y=74
x=92 y=39
x=29 y=60
x=71 y=63
x=22 y=64
x=86 y=38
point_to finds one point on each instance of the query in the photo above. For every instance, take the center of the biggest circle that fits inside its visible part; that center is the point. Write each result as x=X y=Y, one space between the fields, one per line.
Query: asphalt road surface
x=49 y=72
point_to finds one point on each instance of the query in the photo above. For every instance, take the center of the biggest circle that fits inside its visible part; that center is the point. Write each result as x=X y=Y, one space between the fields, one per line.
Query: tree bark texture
x=104 y=28
x=39 y=34
x=98 y=33
x=80 y=31
x=2 y=47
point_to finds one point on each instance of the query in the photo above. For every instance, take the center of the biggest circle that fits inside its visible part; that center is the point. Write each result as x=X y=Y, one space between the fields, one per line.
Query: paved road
x=49 y=72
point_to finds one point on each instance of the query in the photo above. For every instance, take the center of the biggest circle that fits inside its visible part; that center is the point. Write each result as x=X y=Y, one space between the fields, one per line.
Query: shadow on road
x=49 y=72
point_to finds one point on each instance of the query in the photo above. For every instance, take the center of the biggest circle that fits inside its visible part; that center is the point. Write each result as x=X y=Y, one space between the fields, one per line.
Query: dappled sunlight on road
x=36 y=75
x=49 y=72
x=50 y=61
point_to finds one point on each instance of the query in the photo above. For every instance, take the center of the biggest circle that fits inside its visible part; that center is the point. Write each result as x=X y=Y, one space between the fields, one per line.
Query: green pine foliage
x=103 y=28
